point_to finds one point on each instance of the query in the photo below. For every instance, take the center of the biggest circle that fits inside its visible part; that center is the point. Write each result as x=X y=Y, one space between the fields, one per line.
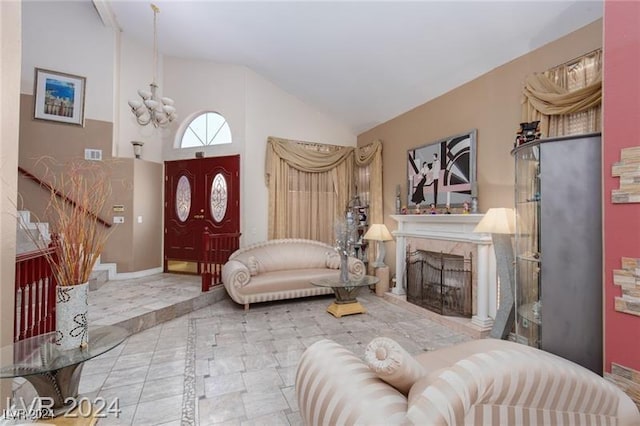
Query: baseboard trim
x=463 y=325
x=138 y=274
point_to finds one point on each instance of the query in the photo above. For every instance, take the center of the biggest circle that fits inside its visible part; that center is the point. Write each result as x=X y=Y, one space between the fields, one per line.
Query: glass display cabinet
x=558 y=247
x=528 y=325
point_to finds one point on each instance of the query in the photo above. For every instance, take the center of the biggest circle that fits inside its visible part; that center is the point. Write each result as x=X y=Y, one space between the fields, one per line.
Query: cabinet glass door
x=528 y=256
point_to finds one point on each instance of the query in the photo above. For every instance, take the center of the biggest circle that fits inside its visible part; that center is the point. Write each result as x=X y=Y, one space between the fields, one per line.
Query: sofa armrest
x=235 y=273
x=333 y=386
x=356 y=267
x=512 y=383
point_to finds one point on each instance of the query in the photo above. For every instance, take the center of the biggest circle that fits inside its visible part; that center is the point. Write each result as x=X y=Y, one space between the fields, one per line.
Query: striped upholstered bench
x=482 y=382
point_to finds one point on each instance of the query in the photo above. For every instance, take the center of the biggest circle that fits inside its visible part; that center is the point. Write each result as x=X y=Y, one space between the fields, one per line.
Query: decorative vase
x=344 y=268
x=71 y=316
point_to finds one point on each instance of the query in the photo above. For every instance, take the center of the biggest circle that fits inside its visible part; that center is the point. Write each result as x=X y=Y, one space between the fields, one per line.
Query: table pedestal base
x=340 y=309
x=58 y=385
x=84 y=415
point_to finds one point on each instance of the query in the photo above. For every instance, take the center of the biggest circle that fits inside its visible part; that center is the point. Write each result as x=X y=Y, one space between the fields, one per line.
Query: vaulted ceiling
x=361 y=62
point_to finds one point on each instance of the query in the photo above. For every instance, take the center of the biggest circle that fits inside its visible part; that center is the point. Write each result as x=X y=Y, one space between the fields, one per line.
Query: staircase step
x=24 y=243
x=30 y=235
x=97 y=279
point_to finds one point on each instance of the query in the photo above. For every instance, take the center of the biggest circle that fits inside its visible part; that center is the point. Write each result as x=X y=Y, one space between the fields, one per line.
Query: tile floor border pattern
x=221 y=364
x=189 y=394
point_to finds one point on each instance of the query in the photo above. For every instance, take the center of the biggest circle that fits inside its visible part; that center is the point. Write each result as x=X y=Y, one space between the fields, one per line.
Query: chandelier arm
x=152 y=108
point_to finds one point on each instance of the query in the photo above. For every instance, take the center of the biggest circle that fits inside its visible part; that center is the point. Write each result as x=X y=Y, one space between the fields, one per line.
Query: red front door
x=199 y=193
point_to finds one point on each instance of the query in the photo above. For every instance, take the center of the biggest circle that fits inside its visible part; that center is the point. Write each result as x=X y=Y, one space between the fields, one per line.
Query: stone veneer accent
x=626 y=379
x=458 y=248
x=188 y=416
x=628 y=170
x=628 y=278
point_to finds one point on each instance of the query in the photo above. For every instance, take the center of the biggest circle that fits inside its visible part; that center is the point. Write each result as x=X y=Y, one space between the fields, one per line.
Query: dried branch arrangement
x=78 y=236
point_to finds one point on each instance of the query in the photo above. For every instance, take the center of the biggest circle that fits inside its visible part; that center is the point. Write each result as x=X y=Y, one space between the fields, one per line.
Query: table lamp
x=379 y=232
x=500 y=223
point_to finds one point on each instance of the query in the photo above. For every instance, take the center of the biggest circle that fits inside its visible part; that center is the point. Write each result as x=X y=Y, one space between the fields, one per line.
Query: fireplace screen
x=440 y=282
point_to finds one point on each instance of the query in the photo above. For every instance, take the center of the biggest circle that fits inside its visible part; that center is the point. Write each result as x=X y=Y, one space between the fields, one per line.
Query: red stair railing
x=217 y=249
x=35 y=296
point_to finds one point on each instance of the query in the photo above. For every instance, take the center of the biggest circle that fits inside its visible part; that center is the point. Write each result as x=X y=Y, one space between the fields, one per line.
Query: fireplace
x=453 y=236
x=440 y=282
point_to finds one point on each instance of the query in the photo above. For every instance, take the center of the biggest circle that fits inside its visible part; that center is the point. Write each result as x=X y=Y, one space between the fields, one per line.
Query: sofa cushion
x=446 y=357
x=295 y=279
x=333 y=260
x=393 y=364
x=282 y=255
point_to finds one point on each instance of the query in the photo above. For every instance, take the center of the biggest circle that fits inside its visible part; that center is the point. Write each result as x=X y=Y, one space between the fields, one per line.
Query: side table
x=345 y=292
x=54 y=373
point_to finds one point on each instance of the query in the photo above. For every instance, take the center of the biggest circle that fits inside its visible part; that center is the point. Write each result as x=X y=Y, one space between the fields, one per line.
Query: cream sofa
x=481 y=382
x=282 y=269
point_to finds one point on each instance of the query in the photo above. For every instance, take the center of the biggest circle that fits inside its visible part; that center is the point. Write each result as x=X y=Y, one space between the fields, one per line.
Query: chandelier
x=157 y=111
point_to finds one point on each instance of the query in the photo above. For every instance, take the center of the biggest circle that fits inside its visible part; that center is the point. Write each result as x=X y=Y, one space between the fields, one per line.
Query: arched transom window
x=209 y=128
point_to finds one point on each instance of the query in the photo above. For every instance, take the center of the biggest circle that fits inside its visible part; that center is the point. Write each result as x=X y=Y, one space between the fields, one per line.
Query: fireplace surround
x=440 y=282
x=451 y=235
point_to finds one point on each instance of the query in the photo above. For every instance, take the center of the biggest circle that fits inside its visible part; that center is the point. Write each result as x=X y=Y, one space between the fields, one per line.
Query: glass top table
x=345 y=292
x=39 y=354
x=55 y=373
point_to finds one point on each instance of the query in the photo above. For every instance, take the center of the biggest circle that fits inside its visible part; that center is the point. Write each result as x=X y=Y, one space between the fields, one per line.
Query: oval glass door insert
x=183 y=199
x=218 y=197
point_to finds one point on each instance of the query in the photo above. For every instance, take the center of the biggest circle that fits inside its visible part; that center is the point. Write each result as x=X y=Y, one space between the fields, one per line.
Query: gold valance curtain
x=369 y=160
x=566 y=99
x=310 y=186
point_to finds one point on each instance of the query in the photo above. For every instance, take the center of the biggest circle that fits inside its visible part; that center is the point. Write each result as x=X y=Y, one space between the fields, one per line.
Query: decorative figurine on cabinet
x=528 y=132
x=432 y=209
x=465 y=208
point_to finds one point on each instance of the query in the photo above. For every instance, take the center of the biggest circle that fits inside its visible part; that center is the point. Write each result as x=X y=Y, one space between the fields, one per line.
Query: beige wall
x=147 y=204
x=491 y=104
x=62 y=142
x=10 y=53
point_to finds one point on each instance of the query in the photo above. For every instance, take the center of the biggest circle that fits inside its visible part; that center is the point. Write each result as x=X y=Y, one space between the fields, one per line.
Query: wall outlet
x=118 y=219
x=139 y=219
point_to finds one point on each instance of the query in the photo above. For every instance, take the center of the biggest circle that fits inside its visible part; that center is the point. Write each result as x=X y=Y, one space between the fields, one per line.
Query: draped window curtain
x=566 y=99
x=310 y=186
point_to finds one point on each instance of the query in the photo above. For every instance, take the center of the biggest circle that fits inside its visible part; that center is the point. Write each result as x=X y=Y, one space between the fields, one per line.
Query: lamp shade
x=378 y=232
x=497 y=221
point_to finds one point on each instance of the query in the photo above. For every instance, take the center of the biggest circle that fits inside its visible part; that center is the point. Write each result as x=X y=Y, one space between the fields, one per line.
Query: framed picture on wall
x=443 y=172
x=59 y=97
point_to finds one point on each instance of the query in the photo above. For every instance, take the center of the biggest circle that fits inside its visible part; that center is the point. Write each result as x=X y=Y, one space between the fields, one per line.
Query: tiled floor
x=222 y=365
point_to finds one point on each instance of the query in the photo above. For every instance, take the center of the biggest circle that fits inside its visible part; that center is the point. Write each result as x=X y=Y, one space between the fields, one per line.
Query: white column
x=481 y=318
x=401 y=259
x=493 y=283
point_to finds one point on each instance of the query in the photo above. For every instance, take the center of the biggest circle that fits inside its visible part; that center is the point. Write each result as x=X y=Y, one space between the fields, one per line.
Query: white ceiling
x=361 y=62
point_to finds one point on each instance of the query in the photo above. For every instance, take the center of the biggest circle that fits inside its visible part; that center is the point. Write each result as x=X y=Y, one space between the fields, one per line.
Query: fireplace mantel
x=453 y=227
x=450 y=227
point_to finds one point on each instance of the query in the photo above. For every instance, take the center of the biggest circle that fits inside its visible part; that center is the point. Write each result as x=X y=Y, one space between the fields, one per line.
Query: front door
x=199 y=193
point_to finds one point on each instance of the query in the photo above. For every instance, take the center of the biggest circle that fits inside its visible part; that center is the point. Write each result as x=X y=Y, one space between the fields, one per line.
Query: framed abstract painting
x=443 y=172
